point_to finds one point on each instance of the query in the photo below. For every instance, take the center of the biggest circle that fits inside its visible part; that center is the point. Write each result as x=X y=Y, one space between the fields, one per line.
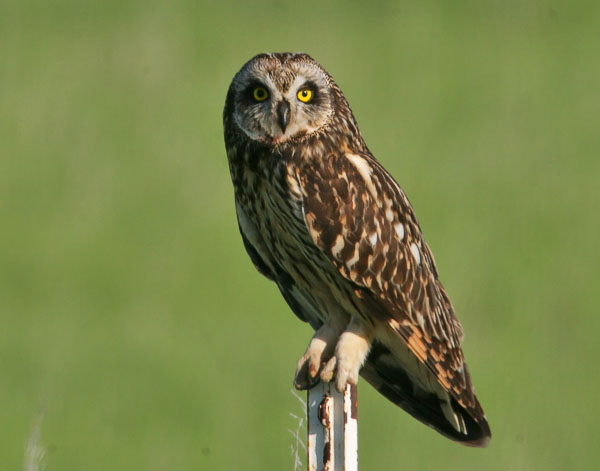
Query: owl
x=321 y=218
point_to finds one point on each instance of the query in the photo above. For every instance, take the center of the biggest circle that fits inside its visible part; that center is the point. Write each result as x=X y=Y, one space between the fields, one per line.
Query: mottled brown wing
x=358 y=215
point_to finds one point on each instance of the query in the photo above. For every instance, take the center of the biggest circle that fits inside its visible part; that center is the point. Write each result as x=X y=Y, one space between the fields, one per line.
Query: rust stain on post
x=326 y=420
x=327 y=457
x=332 y=428
x=324 y=416
x=354 y=399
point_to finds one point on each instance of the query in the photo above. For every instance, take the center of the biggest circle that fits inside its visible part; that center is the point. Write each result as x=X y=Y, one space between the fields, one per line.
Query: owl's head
x=278 y=97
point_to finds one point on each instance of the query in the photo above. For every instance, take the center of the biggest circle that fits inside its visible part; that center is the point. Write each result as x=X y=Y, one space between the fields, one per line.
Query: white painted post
x=332 y=428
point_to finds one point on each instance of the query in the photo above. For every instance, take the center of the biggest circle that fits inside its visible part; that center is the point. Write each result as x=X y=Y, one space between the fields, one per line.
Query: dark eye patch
x=248 y=93
x=317 y=96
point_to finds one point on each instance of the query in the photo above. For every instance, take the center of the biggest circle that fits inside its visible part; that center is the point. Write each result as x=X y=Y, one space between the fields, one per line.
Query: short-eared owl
x=327 y=223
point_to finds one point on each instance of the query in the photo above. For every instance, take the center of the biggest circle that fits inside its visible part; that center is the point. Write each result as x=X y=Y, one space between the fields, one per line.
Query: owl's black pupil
x=304 y=93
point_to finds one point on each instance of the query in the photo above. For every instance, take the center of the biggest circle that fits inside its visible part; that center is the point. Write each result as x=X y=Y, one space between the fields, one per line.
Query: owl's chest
x=270 y=197
x=273 y=206
x=271 y=213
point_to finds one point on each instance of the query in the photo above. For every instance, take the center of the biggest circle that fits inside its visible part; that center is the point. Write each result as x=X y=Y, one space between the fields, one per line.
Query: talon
x=313 y=369
x=318 y=353
x=307 y=369
x=301 y=385
x=320 y=363
x=328 y=370
x=304 y=378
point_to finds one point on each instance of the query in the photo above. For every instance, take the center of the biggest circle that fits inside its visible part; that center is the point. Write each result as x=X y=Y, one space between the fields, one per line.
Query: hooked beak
x=283 y=115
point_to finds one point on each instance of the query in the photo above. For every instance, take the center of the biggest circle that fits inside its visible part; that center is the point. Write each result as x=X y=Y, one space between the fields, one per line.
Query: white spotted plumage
x=327 y=223
x=415 y=252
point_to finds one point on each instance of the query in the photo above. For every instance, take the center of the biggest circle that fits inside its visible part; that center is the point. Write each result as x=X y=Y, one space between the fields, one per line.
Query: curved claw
x=307 y=370
x=328 y=370
x=320 y=363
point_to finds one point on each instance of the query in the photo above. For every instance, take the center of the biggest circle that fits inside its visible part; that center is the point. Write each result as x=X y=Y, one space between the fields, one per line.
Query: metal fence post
x=332 y=443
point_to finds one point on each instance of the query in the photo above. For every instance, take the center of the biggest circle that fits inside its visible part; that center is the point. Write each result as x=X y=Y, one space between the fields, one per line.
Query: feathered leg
x=320 y=349
x=350 y=353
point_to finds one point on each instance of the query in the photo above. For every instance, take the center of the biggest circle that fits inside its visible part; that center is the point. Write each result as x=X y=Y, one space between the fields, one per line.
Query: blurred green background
x=134 y=328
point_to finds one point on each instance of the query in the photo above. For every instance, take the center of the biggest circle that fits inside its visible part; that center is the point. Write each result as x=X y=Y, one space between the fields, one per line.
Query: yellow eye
x=260 y=94
x=305 y=95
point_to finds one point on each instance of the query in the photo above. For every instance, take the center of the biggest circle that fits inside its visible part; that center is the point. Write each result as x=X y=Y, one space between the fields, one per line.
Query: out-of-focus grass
x=128 y=307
